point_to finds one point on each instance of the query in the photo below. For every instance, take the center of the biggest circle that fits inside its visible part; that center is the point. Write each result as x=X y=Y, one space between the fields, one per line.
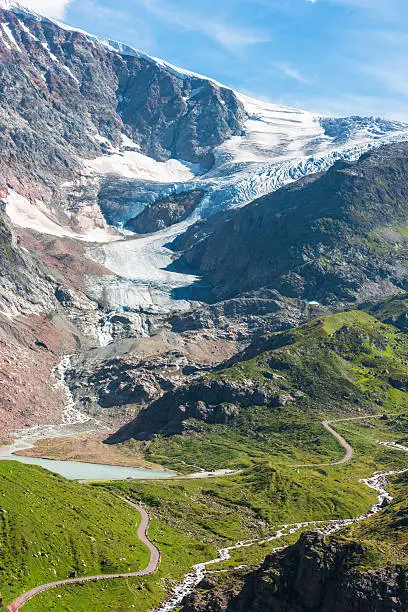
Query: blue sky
x=330 y=56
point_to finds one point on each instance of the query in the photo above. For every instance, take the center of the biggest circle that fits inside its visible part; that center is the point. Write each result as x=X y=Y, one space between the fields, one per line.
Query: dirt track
x=152 y=566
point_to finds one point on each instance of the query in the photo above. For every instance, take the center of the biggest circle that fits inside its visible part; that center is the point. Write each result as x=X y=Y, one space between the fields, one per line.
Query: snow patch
x=9 y=34
x=23 y=213
x=102 y=140
x=134 y=165
x=127 y=143
x=6 y=44
x=104 y=331
x=47 y=48
x=32 y=216
x=27 y=30
x=71 y=74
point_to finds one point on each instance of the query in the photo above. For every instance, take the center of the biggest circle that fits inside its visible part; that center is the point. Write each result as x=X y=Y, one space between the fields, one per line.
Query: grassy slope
x=179 y=553
x=380 y=542
x=346 y=364
x=51 y=529
x=342 y=365
x=193 y=517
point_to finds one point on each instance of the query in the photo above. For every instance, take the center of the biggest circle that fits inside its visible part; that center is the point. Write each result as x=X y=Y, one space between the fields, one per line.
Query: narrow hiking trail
x=377 y=482
x=151 y=567
x=347 y=447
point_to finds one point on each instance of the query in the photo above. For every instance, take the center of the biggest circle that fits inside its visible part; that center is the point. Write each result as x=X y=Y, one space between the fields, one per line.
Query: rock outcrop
x=25 y=288
x=128 y=381
x=210 y=401
x=311 y=576
x=246 y=316
x=166 y=212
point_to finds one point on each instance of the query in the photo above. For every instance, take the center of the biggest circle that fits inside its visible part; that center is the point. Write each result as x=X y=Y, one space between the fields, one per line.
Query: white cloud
x=232 y=38
x=50 y=8
x=293 y=73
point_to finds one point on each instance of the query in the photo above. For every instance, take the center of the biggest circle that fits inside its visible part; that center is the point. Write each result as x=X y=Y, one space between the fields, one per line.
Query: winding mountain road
x=152 y=566
x=142 y=534
x=347 y=447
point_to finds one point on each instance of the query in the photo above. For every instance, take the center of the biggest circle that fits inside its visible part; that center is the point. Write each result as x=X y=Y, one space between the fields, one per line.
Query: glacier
x=277 y=145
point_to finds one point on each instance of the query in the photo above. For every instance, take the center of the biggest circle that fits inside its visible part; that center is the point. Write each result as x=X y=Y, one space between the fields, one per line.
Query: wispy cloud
x=233 y=38
x=50 y=8
x=391 y=75
x=382 y=62
x=293 y=73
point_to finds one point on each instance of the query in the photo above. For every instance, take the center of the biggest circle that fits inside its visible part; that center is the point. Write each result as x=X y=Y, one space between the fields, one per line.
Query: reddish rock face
x=29 y=350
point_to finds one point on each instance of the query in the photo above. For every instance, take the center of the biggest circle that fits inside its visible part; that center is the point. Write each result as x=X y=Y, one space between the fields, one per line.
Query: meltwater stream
x=378 y=482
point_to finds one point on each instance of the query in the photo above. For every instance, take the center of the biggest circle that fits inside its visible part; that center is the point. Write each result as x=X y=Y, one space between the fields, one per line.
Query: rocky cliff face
x=25 y=288
x=246 y=316
x=66 y=97
x=311 y=576
x=208 y=401
x=30 y=341
x=129 y=382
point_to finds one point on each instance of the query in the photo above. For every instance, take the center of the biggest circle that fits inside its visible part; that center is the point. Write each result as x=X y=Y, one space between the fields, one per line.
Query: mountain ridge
x=246 y=133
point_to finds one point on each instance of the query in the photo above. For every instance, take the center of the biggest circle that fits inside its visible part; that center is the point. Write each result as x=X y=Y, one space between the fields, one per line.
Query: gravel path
x=349 y=450
x=152 y=566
